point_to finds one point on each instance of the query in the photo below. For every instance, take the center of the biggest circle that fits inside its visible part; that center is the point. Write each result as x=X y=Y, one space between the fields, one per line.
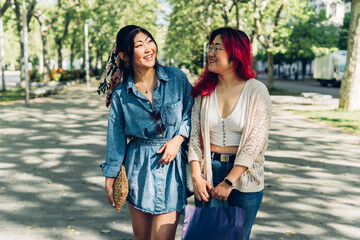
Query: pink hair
x=237 y=46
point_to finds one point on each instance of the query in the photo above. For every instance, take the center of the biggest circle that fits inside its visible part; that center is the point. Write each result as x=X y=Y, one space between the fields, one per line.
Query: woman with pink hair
x=229 y=128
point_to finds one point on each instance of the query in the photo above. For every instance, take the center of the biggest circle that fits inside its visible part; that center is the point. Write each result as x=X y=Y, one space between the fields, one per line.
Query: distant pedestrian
x=149 y=118
x=229 y=128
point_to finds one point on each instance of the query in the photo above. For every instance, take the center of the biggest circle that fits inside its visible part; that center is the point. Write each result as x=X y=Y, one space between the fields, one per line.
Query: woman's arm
x=222 y=191
x=188 y=101
x=195 y=152
x=115 y=147
x=202 y=187
x=172 y=147
x=254 y=145
x=257 y=139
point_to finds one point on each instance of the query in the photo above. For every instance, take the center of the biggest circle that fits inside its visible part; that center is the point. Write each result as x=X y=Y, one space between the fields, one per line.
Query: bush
x=62 y=75
x=34 y=75
x=96 y=72
x=54 y=75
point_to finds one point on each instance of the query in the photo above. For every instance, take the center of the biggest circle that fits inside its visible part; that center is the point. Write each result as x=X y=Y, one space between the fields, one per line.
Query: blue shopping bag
x=225 y=223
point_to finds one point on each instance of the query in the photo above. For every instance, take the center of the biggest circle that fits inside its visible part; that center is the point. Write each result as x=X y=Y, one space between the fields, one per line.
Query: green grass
x=284 y=92
x=348 y=121
x=13 y=94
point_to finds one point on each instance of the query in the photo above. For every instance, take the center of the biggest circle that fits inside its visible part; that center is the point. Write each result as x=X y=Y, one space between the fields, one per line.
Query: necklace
x=146 y=90
x=223 y=88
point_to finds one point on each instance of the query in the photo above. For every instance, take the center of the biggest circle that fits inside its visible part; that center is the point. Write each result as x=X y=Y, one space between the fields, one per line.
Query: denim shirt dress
x=133 y=137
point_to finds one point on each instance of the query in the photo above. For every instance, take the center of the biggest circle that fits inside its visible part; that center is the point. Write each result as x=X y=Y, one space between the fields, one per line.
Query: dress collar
x=161 y=74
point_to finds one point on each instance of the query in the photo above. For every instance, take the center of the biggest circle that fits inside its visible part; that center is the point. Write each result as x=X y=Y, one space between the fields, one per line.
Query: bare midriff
x=224 y=150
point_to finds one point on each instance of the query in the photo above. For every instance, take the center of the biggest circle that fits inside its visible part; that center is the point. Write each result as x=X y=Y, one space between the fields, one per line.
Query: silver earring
x=127 y=65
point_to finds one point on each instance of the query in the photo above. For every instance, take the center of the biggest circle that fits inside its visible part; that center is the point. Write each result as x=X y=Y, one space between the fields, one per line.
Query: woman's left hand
x=170 y=149
x=221 y=192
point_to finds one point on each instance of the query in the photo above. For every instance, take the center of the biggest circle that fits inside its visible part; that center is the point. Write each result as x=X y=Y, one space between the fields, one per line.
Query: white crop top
x=226 y=132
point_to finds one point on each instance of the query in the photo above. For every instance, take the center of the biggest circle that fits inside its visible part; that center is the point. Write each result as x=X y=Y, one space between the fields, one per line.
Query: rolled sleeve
x=116 y=140
x=110 y=170
x=184 y=126
x=184 y=131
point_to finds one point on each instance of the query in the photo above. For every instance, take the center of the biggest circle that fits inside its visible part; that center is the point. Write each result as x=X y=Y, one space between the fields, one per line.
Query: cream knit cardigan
x=253 y=142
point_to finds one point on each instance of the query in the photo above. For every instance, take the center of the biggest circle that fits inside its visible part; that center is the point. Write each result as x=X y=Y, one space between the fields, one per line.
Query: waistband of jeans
x=149 y=141
x=223 y=157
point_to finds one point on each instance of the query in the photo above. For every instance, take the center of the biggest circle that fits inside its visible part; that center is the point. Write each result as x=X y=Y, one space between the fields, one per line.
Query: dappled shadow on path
x=311 y=182
x=51 y=185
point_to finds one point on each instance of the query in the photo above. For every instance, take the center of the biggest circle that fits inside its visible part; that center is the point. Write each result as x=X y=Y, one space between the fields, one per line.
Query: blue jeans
x=249 y=201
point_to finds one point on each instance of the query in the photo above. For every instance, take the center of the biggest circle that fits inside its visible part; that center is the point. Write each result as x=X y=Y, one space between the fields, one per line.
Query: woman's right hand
x=202 y=188
x=109 y=183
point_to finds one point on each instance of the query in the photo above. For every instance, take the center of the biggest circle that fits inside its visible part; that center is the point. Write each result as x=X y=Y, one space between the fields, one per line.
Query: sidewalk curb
x=54 y=87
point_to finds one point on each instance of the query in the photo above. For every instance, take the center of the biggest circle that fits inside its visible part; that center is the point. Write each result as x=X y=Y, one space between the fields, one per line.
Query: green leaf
x=105 y=231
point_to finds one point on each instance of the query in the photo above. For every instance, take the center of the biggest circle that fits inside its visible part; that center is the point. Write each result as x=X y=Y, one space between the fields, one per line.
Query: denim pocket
x=172 y=113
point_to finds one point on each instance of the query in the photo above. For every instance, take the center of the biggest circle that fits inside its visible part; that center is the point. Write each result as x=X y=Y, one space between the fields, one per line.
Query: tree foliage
x=59 y=26
x=344 y=32
x=286 y=30
x=310 y=37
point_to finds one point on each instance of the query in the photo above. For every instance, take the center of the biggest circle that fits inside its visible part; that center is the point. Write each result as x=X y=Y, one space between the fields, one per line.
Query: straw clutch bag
x=121 y=189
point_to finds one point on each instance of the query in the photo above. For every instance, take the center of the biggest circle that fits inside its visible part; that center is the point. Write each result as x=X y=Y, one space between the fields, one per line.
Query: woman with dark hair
x=229 y=128
x=149 y=118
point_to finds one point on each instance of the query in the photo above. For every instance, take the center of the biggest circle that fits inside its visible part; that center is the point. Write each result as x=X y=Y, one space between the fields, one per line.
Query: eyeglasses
x=160 y=127
x=214 y=49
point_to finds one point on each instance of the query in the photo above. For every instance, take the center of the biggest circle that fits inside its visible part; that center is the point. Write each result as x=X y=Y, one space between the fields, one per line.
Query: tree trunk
x=59 y=40
x=3 y=9
x=46 y=62
x=270 y=62
x=237 y=15
x=2 y=54
x=72 y=53
x=90 y=61
x=226 y=12
x=83 y=63
x=72 y=57
x=350 y=86
x=44 y=30
x=20 y=32
x=254 y=49
x=303 y=69
x=225 y=18
x=97 y=58
x=289 y=71
x=60 y=58
x=22 y=62
x=19 y=26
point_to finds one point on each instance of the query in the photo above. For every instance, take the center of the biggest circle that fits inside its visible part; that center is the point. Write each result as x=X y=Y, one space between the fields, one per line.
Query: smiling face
x=144 y=51
x=218 y=59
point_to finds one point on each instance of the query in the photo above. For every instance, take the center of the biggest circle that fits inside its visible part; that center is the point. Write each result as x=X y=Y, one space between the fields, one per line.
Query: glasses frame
x=213 y=49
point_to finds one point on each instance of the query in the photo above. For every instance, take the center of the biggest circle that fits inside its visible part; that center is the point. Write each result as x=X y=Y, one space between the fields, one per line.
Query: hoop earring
x=127 y=65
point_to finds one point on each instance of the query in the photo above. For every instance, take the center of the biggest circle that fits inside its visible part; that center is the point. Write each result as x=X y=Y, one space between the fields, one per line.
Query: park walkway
x=51 y=186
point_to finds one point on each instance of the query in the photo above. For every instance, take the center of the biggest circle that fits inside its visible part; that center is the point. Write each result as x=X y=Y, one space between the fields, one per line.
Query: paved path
x=51 y=186
x=304 y=86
